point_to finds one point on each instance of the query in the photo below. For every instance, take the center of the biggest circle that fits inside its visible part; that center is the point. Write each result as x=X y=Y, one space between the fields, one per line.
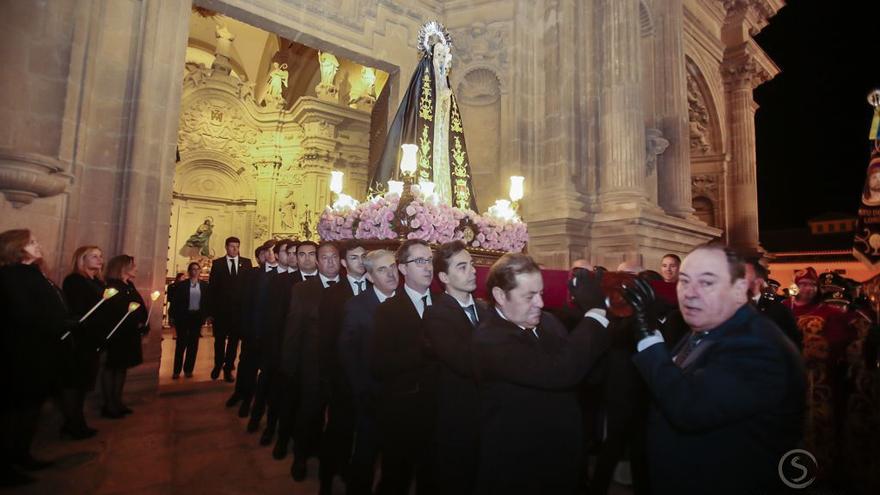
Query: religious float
x=422 y=188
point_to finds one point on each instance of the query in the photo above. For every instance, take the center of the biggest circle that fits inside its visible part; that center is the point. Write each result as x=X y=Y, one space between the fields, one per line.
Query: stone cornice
x=25 y=177
x=757 y=13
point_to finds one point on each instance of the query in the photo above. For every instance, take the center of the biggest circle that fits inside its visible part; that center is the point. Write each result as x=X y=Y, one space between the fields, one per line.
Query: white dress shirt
x=353 y=282
x=195 y=296
x=416 y=298
x=324 y=280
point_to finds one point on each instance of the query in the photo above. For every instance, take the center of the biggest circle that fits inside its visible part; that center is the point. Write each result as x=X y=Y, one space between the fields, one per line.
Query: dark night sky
x=812 y=124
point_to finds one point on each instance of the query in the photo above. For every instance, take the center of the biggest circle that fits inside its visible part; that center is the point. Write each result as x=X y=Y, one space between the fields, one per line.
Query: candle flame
x=109 y=292
x=133 y=306
x=155 y=295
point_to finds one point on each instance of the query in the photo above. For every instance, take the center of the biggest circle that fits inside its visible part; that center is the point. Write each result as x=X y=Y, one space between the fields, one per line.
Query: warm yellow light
x=155 y=295
x=395 y=186
x=336 y=181
x=516 y=187
x=109 y=292
x=793 y=289
x=133 y=306
x=502 y=210
x=345 y=202
x=408 y=161
x=427 y=188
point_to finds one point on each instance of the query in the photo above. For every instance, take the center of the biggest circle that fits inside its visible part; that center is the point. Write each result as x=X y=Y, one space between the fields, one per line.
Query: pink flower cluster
x=376 y=217
x=434 y=223
x=499 y=234
x=373 y=219
x=422 y=219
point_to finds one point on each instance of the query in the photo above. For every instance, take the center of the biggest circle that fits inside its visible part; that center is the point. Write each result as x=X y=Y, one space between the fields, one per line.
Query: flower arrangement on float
x=413 y=211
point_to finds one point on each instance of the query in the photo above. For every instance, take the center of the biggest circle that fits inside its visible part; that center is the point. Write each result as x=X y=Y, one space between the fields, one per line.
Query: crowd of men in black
x=349 y=355
x=447 y=393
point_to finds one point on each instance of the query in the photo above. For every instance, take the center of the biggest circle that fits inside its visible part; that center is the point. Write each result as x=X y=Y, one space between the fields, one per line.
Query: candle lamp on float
x=408 y=166
x=341 y=201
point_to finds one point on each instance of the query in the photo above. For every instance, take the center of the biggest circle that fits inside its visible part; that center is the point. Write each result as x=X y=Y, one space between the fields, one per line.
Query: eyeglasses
x=419 y=261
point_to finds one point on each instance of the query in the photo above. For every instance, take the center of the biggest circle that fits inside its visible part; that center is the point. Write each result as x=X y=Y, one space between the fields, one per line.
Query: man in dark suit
x=255 y=327
x=188 y=311
x=767 y=303
x=355 y=340
x=530 y=438
x=729 y=400
x=307 y=262
x=266 y=396
x=226 y=281
x=301 y=353
x=338 y=434
x=449 y=328
x=406 y=378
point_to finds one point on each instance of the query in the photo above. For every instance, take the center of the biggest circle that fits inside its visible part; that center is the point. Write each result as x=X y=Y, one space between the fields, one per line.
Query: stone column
x=621 y=119
x=674 y=167
x=741 y=74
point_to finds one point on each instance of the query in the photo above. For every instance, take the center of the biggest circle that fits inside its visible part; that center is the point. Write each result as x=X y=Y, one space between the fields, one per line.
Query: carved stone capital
x=25 y=177
x=742 y=70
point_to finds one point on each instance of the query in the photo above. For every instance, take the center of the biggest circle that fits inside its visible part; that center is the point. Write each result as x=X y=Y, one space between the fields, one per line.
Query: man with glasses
x=405 y=377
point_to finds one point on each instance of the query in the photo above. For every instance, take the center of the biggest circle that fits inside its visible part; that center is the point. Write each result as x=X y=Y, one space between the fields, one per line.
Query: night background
x=812 y=124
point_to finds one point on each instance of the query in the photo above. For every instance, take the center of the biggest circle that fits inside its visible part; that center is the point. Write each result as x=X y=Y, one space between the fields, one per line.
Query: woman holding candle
x=33 y=316
x=124 y=344
x=83 y=289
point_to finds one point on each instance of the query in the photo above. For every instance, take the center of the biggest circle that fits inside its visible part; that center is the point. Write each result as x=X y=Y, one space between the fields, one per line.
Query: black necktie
x=361 y=288
x=425 y=302
x=693 y=340
x=232 y=269
x=308 y=277
x=472 y=314
x=331 y=282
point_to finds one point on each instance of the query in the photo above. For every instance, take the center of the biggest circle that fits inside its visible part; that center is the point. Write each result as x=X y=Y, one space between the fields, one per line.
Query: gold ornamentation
x=426 y=109
x=425 y=155
x=455 y=124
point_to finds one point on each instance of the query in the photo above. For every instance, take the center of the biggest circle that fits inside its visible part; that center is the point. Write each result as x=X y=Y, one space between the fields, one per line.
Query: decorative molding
x=481 y=45
x=480 y=86
x=705 y=185
x=655 y=145
x=742 y=69
x=25 y=177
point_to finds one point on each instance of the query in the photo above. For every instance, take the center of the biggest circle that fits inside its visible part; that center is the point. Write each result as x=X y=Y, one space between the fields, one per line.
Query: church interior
x=159 y=128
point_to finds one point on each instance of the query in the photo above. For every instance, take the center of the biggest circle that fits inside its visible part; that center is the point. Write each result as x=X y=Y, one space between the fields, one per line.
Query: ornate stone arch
x=706 y=131
x=209 y=174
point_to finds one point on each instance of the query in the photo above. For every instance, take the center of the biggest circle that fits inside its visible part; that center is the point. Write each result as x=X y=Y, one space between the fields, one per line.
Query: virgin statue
x=428 y=117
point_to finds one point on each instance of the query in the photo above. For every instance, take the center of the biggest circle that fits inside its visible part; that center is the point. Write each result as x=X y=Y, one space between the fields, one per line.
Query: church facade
x=631 y=120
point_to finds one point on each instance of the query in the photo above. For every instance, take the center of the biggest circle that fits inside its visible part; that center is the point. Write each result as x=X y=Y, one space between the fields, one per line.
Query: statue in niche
x=429 y=117
x=329 y=67
x=198 y=244
x=326 y=89
x=277 y=82
x=367 y=95
x=288 y=211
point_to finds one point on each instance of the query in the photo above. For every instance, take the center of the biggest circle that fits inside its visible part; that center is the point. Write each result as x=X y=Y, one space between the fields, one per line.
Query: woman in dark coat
x=83 y=289
x=33 y=317
x=124 y=346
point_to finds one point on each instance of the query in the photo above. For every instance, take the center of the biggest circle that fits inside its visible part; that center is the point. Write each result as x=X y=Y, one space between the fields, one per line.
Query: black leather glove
x=585 y=290
x=640 y=296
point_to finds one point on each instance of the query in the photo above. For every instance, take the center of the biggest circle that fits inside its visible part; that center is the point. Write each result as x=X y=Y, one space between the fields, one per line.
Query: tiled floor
x=184 y=441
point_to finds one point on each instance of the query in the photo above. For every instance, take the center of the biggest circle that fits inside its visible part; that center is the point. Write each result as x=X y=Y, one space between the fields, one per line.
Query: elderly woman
x=32 y=319
x=83 y=288
x=124 y=346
